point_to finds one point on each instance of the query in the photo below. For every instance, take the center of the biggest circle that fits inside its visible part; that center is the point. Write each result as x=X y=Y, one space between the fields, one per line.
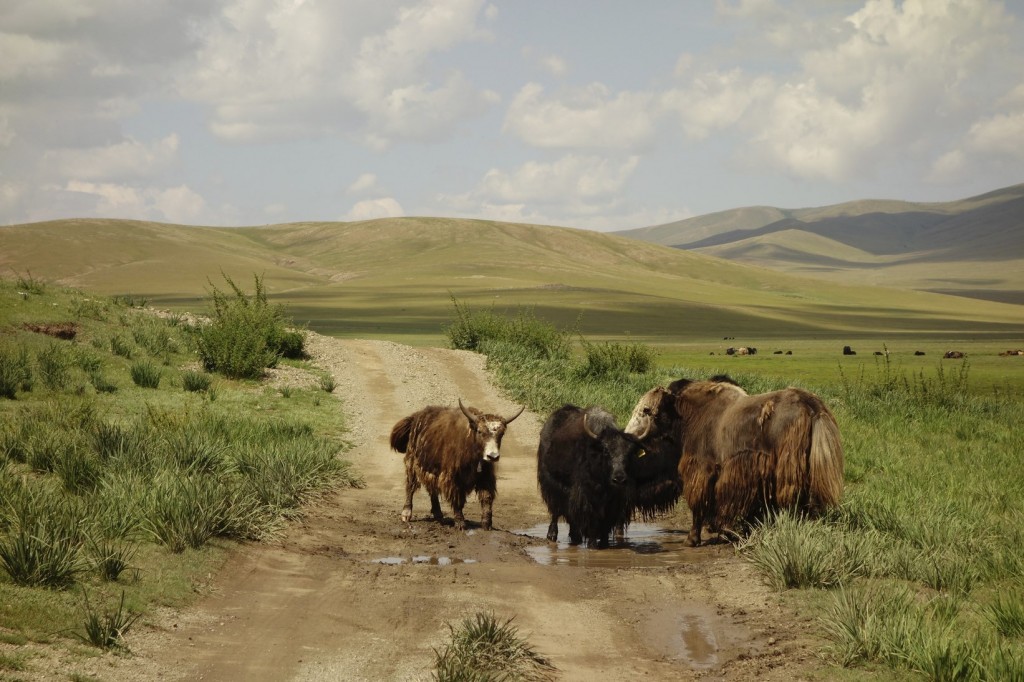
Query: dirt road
x=353 y=593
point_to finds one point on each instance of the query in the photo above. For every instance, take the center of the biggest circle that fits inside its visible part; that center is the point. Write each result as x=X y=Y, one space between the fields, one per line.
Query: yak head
x=488 y=429
x=655 y=414
x=619 y=447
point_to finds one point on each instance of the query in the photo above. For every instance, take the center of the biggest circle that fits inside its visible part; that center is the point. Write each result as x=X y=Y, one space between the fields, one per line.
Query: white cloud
x=366 y=182
x=273 y=70
x=23 y=56
x=572 y=190
x=998 y=135
x=590 y=117
x=368 y=209
x=175 y=204
x=894 y=82
x=124 y=160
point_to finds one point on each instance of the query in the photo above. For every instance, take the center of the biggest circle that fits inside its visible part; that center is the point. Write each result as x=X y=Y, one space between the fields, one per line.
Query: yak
x=451 y=452
x=741 y=455
x=582 y=471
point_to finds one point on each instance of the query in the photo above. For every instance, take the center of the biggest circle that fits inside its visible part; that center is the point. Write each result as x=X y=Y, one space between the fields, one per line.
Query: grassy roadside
x=919 y=571
x=128 y=471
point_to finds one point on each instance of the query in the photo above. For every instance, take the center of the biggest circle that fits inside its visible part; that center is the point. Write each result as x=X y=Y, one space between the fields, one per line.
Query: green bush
x=106 y=630
x=244 y=335
x=477 y=331
x=612 y=360
x=292 y=345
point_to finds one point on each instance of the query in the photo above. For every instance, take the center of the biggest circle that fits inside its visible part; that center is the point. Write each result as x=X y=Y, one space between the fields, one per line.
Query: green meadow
x=917 y=574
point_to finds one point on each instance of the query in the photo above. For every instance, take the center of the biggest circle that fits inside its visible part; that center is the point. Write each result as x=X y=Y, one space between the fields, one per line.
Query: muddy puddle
x=422 y=560
x=644 y=545
x=695 y=635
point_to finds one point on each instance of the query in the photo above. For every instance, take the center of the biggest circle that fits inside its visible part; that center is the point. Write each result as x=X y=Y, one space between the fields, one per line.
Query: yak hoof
x=407 y=515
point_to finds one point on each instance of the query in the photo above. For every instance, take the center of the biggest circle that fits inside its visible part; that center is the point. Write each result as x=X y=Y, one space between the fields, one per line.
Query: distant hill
x=397 y=277
x=972 y=247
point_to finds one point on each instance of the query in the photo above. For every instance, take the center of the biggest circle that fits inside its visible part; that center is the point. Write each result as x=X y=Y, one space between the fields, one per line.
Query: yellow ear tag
x=642 y=453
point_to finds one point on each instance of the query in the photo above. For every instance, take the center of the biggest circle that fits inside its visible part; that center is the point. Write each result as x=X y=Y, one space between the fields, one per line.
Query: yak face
x=618 y=448
x=488 y=430
x=652 y=408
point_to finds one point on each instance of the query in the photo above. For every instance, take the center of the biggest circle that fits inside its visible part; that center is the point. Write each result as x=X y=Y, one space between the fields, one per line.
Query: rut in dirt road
x=353 y=593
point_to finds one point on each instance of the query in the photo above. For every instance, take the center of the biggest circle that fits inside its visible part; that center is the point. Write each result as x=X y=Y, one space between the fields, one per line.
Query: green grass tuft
x=483 y=648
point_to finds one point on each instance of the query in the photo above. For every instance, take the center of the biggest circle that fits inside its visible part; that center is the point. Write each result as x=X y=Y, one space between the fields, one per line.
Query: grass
x=142 y=487
x=484 y=648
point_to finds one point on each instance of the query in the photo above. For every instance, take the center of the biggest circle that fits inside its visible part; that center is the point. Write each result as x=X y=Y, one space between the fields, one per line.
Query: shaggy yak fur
x=745 y=455
x=655 y=483
x=582 y=470
x=451 y=451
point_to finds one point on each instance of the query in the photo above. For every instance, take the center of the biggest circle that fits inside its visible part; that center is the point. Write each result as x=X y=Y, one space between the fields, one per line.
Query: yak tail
x=826 y=463
x=400 y=434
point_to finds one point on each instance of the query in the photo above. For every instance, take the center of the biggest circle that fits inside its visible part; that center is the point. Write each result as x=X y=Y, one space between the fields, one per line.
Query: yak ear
x=470 y=417
x=586 y=427
x=513 y=417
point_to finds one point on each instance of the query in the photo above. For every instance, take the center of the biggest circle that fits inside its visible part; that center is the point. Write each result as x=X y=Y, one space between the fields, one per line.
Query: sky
x=584 y=113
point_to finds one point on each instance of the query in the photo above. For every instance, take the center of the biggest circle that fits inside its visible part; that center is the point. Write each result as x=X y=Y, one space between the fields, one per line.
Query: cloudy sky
x=586 y=113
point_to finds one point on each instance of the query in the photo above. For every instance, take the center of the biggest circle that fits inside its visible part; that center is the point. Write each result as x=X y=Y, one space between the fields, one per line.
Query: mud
x=350 y=592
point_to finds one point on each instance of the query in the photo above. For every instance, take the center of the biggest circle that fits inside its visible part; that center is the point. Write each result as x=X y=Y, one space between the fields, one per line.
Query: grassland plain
x=394 y=278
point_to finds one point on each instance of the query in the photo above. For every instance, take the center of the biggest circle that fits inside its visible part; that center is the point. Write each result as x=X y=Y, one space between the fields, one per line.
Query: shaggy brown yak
x=744 y=454
x=451 y=452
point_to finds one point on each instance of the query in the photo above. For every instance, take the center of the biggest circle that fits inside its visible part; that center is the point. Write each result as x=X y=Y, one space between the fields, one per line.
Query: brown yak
x=743 y=455
x=451 y=452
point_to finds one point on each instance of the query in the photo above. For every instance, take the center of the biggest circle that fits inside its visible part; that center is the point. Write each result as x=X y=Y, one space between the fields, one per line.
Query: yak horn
x=513 y=417
x=586 y=427
x=647 y=430
x=470 y=417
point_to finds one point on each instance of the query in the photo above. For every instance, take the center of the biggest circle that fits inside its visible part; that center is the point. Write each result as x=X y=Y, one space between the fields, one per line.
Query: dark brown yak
x=451 y=452
x=743 y=455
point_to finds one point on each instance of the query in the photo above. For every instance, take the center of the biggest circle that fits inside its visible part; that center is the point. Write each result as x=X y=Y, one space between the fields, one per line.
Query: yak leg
x=435 y=508
x=458 y=502
x=575 y=535
x=699 y=484
x=411 y=485
x=486 y=508
x=553 y=528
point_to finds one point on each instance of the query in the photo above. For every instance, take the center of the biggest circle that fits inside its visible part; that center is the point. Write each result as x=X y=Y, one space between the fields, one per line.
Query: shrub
x=327 y=383
x=609 y=360
x=478 y=330
x=292 y=345
x=244 y=335
x=145 y=374
x=102 y=383
x=29 y=284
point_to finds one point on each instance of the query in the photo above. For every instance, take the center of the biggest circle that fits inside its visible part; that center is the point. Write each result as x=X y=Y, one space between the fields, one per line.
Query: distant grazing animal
x=743 y=455
x=848 y=351
x=918 y=352
x=953 y=355
x=1012 y=352
x=582 y=470
x=451 y=452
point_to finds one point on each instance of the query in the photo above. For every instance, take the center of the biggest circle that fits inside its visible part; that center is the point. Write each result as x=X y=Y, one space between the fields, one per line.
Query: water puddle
x=424 y=560
x=644 y=545
x=687 y=634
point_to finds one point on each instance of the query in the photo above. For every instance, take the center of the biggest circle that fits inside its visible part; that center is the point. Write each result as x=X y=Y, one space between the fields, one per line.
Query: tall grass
x=537 y=363
x=484 y=648
x=15 y=369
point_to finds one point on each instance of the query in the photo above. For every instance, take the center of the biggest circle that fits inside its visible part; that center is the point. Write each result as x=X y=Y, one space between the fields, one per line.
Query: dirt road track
x=329 y=600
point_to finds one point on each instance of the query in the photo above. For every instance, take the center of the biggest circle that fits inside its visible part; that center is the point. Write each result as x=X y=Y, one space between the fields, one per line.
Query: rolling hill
x=397 y=277
x=973 y=247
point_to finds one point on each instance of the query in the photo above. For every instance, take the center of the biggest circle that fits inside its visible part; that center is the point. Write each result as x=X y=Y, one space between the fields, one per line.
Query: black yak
x=582 y=470
x=743 y=455
x=451 y=452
